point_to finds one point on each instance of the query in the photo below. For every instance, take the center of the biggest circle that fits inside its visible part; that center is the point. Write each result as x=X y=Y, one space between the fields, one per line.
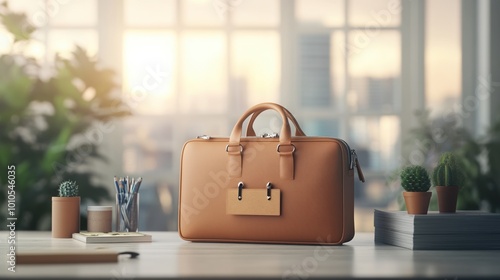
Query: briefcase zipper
x=352 y=157
x=353 y=160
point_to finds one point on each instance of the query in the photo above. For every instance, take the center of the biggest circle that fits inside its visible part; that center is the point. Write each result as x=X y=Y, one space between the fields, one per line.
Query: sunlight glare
x=204 y=72
x=380 y=57
x=149 y=59
x=256 y=65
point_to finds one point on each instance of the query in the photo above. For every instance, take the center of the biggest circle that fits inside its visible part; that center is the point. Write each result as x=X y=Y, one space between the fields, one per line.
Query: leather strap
x=251 y=131
x=285 y=149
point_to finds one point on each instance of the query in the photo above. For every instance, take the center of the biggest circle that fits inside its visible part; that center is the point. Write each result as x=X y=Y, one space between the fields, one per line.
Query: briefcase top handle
x=285 y=148
x=285 y=134
x=251 y=131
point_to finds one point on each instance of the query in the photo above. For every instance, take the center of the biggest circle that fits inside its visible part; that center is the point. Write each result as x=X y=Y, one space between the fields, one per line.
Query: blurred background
x=93 y=89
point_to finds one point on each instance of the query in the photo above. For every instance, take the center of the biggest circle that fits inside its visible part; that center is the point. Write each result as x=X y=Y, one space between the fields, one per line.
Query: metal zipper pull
x=353 y=155
x=205 y=137
x=270 y=135
x=355 y=162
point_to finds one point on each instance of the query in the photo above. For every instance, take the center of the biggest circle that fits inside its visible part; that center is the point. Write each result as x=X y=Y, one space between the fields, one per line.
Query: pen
x=116 y=184
x=127 y=184
x=120 y=184
x=124 y=185
x=137 y=185
x=132 y=185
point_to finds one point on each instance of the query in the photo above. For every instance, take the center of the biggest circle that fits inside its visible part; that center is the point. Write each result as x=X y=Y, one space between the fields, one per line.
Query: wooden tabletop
x=170 y=257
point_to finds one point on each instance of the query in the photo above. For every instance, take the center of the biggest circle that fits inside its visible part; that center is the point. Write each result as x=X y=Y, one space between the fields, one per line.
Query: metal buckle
x=240 y=187
x=279 y=145
x=227 y=148
x=268 y=187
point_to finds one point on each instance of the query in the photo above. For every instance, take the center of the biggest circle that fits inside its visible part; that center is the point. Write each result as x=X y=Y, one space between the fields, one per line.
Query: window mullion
x=344 y=108
x=412 y=69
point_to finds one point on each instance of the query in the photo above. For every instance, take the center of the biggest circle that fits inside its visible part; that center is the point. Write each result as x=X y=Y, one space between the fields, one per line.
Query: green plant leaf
x=15 y=85
x=17 y=24
x=55 y=151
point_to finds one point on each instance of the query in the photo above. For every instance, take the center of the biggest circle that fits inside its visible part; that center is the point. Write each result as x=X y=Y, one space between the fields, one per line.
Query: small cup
x=99 y=218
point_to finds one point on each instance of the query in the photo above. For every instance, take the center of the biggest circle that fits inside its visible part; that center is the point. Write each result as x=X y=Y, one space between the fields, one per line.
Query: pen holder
x=127 y=212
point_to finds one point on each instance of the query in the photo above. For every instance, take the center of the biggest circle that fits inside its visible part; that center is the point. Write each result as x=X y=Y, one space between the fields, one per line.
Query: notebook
x=112 y=237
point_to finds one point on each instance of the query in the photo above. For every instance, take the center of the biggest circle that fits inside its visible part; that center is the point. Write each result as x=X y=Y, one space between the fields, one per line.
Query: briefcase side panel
x=316 y=207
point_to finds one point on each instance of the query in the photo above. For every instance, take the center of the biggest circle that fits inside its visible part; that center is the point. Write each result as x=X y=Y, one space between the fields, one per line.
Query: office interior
x=116 y=87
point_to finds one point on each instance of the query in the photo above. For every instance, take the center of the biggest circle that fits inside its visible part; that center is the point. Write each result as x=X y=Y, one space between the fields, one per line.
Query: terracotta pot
x=447 y=198
x=65 y=216
x=417 y=202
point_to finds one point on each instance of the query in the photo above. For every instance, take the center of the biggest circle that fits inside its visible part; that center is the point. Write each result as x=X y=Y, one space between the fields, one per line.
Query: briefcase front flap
x=257 y=202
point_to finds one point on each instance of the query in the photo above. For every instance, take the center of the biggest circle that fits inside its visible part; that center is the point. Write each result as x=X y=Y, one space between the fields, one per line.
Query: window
x=56 y=22
x=443 y=56
x=188 y=70
x=349 y=73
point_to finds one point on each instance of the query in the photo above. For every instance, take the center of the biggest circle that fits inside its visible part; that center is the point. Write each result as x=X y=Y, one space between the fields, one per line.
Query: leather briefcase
x=282 y=189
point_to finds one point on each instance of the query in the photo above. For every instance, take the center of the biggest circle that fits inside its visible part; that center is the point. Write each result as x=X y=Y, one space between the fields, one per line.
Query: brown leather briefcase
x=287 y=189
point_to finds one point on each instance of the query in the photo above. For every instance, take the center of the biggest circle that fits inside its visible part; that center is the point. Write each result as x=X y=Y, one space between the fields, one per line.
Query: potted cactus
x=447 y=178
x=416 y=183
x=66 y=211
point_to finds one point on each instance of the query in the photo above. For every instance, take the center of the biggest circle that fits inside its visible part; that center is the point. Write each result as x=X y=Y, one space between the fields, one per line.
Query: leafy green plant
x=44 y=122
x=414 y=178
x=68 y=189
x=448 y=172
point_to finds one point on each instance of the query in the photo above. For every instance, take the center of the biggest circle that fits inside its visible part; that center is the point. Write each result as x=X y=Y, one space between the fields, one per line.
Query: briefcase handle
x=251 y=131
x=284 y=148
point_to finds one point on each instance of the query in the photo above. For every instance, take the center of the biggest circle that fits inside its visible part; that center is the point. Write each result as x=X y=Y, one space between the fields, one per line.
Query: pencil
x=116 y=184
x=132 y=185
x=127 y=184
x=137 y=185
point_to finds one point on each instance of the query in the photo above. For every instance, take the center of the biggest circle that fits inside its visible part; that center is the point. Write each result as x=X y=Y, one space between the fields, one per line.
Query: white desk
x=170 y=257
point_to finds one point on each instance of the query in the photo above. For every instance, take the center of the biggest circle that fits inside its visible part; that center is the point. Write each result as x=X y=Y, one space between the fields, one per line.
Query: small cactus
x=68 y=189
x=415 y=178
x=449 y=158
x=448 y=172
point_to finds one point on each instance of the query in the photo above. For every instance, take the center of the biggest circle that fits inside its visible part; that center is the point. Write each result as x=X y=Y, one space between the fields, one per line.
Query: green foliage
x=415 y=178
x=477 y=156
x=68 y=189
x=449 y=172
x=44 y=123
x=16 y=24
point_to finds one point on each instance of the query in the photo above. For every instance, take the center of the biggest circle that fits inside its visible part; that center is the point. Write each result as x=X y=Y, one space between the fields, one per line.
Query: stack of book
x=464 y=230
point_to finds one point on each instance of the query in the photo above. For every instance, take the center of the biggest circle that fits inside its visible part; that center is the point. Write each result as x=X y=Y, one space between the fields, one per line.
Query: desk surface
x=170 y=257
